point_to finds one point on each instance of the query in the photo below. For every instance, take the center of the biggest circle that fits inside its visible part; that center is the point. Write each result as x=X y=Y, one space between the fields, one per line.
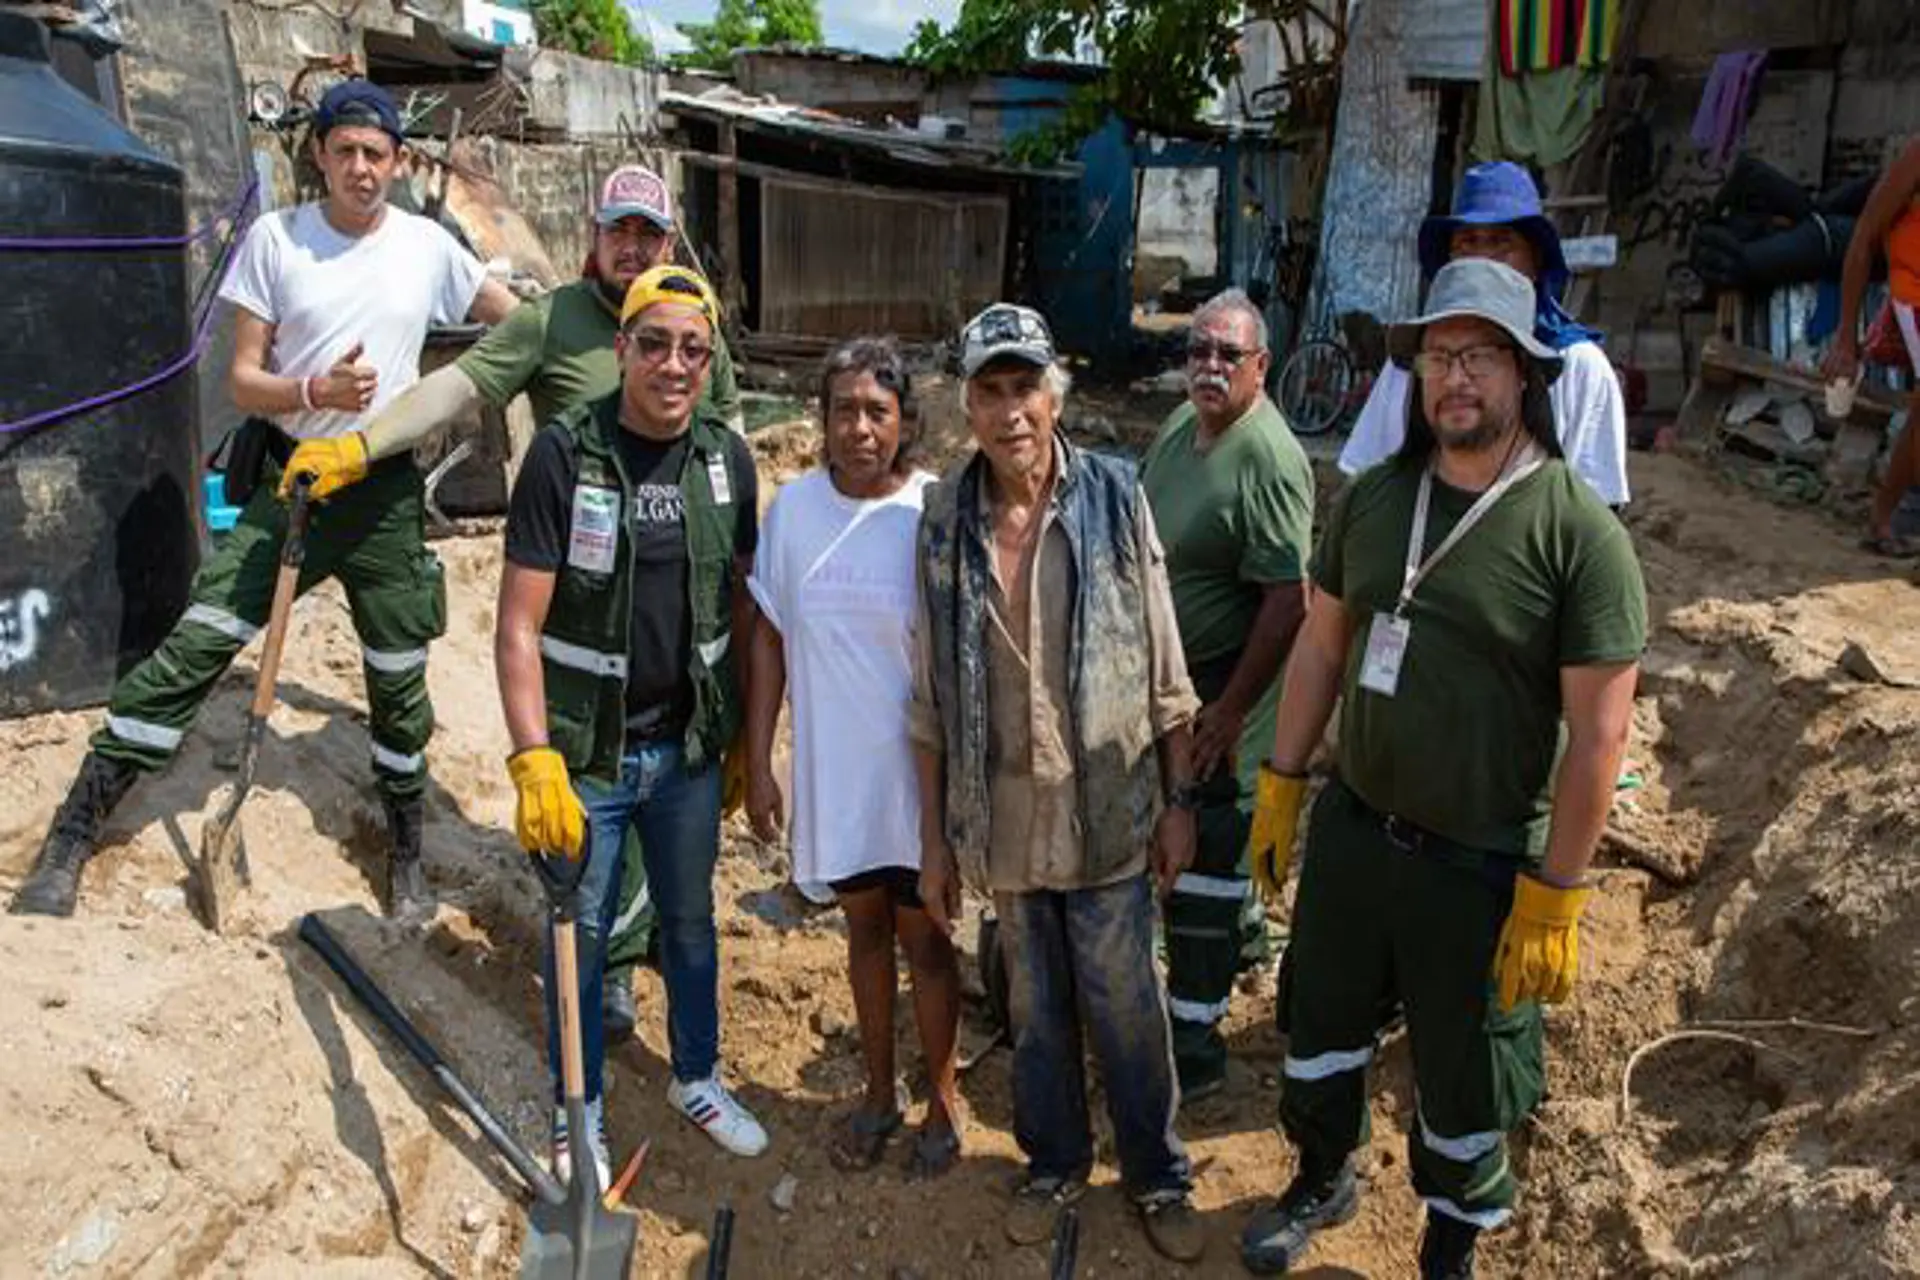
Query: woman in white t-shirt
x=834 y=579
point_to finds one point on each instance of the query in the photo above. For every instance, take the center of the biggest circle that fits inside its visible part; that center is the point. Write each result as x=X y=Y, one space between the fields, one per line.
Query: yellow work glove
x=1539 y=950
x=334 y=463
x=1277 y=800
x=549 y=818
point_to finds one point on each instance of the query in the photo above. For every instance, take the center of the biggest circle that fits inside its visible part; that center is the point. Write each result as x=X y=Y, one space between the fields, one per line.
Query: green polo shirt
x=558 y=349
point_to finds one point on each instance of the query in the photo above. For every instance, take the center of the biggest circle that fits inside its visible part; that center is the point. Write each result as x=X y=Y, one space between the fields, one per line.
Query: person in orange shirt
x=1891 y=218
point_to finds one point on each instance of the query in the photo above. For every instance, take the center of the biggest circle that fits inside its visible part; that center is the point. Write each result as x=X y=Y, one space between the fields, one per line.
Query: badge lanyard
x=1388 y=636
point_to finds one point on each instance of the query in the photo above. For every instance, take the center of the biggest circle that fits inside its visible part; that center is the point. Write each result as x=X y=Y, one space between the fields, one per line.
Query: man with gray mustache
x=1232 y=496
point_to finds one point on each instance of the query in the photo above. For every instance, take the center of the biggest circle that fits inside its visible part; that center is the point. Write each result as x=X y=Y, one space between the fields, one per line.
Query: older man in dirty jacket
x=1051 y=723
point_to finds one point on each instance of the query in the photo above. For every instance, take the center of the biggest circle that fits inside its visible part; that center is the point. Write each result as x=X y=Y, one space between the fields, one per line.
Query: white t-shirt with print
x=1588 y=412
x=323 y=291
x=835 y=576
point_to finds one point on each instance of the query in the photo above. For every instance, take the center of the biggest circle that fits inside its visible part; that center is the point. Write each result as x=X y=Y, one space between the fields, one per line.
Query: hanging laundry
x=1721 y=121
x=1543 y=35
x=1541 y=118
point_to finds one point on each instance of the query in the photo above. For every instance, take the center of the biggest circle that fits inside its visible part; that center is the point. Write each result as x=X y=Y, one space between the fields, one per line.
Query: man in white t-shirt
x=1497 y=214
x=333 y=301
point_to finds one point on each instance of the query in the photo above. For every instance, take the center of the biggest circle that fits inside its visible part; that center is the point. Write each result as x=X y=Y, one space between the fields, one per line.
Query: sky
x=876 y=26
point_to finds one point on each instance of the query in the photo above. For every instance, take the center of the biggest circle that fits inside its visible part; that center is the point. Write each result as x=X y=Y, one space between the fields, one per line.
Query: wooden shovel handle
x=293 y=554
x=566 y=976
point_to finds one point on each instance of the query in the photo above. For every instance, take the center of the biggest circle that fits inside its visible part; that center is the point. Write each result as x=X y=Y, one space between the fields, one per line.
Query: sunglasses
x=654 y=348
x=1203 y=351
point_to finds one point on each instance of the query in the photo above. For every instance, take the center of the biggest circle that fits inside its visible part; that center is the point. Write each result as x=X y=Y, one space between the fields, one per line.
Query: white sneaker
x=562 y=1147
x=708 y=1104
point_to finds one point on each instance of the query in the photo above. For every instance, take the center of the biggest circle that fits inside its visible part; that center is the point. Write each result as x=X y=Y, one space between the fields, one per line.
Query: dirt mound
x=177 y=1104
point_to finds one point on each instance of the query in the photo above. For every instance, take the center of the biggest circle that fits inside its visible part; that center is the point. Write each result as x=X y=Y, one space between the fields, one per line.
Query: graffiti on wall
x=20 y=619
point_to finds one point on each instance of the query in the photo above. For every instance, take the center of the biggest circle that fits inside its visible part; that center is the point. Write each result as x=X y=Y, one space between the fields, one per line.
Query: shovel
x=578 y=1238
x=223 y=846
x=368 y=992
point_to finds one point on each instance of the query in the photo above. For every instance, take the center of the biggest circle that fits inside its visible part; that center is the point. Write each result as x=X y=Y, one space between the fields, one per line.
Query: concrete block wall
x=554 y=185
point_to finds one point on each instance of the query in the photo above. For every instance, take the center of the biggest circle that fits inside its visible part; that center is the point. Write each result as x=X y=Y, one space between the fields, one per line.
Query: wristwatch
x=1185 y=796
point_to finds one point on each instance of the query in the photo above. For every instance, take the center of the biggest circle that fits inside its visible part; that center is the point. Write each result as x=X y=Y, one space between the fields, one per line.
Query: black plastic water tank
x=98 y=538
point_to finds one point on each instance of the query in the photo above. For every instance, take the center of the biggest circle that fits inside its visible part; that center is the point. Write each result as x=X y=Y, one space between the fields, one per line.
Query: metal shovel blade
x=579 y=1238
x=223 y=858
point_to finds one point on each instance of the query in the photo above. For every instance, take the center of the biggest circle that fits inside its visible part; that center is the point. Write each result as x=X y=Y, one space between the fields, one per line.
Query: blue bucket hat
x=1501 y=194
x=357 y=102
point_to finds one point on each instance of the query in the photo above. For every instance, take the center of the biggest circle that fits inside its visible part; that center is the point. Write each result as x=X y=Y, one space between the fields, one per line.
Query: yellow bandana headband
x=676 y=286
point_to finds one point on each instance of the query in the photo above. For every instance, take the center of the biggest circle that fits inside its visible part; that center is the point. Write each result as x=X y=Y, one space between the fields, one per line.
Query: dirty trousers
x=1089 y=952
x=371 y=537
x=1385 y=910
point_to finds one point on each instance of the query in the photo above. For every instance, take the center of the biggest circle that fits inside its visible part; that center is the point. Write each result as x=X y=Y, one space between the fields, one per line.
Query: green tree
x=592 y=28
x=749 y=24
x=1164 y=58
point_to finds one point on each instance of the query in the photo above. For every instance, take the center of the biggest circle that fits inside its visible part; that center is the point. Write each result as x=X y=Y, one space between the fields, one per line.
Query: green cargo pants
x=1386 y=910
x=371 y=536
x=1215 y=926
x=633 y=920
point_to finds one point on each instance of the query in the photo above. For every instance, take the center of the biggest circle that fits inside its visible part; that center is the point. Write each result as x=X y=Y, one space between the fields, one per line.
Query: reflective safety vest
x=583 y=646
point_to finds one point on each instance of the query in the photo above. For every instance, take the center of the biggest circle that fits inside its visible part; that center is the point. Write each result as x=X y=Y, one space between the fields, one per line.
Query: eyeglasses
x=1225 y=352
x=654 y=348
x=1480 y=363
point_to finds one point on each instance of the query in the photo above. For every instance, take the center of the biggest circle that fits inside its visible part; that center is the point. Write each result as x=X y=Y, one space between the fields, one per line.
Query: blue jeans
x=1091 y=950
x=677 y=815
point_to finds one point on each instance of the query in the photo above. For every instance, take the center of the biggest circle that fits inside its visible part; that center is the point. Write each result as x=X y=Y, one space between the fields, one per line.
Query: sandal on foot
x=932 y=1154
x=1892 y=547
x=862 y=1140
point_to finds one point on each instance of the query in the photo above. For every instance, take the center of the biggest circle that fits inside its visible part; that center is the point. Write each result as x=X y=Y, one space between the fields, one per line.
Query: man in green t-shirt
x=1471 y=596
x=1232 y=496
x=558 y=349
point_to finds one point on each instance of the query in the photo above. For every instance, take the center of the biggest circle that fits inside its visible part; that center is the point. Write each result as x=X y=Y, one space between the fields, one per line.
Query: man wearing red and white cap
x=559 y=350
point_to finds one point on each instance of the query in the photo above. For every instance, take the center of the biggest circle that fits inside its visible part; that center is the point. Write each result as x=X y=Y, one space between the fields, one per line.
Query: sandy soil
x=176 y=1104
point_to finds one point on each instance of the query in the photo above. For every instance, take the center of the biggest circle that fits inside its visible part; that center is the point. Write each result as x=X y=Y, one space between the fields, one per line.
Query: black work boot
x=1446 y=1249
x=54 y=884
x=617 y=1011
x=409 y=900
x=1317 y=1197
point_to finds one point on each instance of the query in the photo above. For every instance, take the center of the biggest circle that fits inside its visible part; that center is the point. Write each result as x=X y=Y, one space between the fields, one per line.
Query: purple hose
x=202 y=330
x=70 y=244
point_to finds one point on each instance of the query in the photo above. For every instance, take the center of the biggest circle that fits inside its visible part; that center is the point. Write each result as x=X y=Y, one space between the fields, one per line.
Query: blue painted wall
x=1084 y=246
x=1085 y=234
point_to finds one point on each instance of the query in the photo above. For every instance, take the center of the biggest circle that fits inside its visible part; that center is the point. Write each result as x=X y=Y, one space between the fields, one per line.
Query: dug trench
x=178 y=1104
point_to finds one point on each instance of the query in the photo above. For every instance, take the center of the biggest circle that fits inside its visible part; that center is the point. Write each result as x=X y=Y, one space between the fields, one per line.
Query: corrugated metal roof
x=902 y=145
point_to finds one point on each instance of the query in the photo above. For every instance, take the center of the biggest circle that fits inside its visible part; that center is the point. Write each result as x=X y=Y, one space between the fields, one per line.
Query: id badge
x=1386 y=650
x=718 y=482
x=595 y=534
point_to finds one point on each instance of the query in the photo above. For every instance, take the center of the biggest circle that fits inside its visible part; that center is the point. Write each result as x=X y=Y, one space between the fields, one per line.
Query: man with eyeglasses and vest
x=1232 y=497
x=621 y=643
x=557 y=350
x=1472 y=596
x=332 y=302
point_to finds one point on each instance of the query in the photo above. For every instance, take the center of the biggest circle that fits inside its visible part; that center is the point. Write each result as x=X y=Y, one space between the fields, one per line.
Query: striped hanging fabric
x=1543 y=35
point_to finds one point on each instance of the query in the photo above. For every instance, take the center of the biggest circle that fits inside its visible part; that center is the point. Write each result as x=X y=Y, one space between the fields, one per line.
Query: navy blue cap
x=357 y=102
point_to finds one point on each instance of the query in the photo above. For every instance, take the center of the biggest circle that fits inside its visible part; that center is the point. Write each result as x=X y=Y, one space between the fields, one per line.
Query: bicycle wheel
x=1314 y=385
